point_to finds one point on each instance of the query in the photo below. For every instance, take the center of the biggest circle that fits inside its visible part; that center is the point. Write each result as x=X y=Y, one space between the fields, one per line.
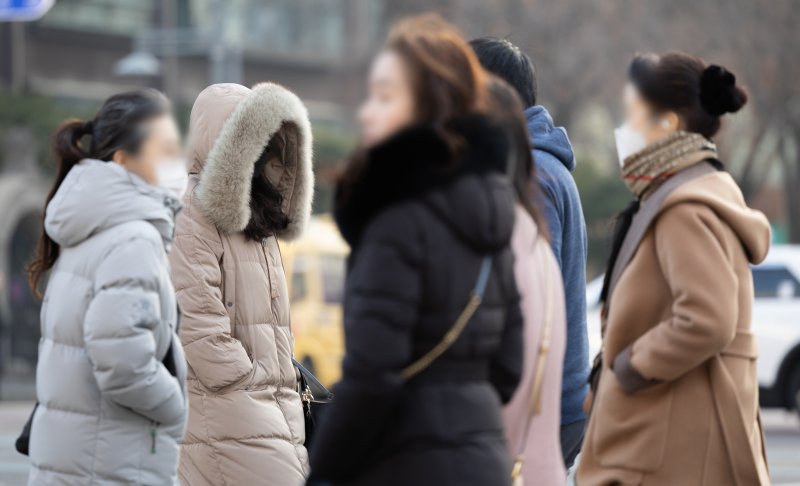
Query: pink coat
x=543 y=464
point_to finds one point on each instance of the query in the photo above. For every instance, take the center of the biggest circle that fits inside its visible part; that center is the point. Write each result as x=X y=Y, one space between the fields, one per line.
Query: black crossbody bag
x=313 y=395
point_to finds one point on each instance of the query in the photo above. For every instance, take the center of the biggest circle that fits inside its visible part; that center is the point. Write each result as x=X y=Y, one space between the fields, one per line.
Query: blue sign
x=24 y=9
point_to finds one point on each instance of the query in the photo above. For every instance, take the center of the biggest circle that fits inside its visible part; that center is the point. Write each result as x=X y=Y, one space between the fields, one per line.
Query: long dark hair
x=116 y=126
x=698 y=93
x=266 y=201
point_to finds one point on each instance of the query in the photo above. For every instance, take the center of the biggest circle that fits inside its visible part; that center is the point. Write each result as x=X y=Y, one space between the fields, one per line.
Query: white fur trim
x=224 y=189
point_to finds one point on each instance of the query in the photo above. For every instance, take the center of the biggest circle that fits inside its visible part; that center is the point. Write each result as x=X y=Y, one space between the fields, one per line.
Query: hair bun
x=719 y=93
x=88 y=127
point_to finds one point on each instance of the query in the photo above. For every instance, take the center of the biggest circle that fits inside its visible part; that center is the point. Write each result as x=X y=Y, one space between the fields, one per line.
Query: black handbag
x=23 y=441
x=313 y=394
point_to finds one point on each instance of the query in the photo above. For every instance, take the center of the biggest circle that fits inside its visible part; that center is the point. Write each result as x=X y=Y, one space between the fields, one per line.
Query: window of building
x=122 y=17
x=296 y=30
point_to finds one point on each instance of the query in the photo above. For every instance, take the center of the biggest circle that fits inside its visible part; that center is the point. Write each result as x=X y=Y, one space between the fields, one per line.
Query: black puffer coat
x=420 y=220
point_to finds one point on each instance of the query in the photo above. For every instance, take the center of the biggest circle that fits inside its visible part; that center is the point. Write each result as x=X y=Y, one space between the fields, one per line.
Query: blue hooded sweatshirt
x=561 y=203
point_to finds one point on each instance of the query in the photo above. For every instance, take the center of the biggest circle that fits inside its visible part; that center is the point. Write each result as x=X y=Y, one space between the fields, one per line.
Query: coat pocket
x=631 y=430
x=175 y=362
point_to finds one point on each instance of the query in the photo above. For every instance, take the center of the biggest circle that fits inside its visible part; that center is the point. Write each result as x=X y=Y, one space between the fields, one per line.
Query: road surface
x=782 y=429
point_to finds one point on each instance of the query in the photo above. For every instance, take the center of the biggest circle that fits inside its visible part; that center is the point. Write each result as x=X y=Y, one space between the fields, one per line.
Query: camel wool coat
x=677 y=401
x=245 y=419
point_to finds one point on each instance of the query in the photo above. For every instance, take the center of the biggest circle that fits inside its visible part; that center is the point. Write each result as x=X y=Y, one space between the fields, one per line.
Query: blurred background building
x=65 y=63
x=82 y=51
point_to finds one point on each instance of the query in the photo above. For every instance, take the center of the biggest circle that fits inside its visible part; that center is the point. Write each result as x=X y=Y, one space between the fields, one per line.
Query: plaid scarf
x=647 y=169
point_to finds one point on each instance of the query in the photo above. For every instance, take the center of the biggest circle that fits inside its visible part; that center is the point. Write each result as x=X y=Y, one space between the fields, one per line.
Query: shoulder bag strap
x=475 y=298
x=535 y=397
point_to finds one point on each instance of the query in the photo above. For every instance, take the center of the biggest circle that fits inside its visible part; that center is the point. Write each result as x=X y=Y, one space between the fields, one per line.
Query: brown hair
x=682 y=83
x=447 y=78
x=116 y=126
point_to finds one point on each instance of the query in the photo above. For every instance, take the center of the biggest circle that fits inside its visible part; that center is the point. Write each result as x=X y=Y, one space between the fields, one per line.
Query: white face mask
x=629 y=141
x=173 y=178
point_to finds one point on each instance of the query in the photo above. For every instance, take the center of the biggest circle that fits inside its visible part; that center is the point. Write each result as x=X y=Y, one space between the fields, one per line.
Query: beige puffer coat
x=246 y=420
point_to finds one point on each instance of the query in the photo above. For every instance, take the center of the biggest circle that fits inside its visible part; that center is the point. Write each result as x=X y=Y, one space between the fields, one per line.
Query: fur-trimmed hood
x=229 y=128
x=468 y=190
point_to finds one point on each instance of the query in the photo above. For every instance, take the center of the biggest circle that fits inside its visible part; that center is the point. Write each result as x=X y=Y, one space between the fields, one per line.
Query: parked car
x=315 y=271
x=776 y=323
x=776 y=317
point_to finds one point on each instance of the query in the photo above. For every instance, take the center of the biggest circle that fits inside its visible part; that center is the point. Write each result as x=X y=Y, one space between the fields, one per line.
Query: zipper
x=266 y=262
x=280 y=371
x=153 y=433
x=272 y=285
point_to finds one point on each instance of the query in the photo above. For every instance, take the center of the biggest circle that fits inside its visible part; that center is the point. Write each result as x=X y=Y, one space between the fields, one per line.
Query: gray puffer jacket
x=111 y=372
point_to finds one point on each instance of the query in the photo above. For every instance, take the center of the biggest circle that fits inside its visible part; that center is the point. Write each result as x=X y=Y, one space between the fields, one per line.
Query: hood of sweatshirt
x=547 y=137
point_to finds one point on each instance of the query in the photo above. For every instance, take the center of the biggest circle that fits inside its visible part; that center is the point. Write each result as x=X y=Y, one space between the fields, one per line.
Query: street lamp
x=138 y=63
x=225 y=60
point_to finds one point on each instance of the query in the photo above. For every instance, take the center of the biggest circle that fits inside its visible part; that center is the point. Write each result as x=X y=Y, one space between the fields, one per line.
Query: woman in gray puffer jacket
x=110 y=378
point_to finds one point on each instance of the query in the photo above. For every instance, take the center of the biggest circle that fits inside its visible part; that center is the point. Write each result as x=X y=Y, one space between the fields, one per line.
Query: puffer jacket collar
x=97 y=195
x=229 y=128
x=419 y=160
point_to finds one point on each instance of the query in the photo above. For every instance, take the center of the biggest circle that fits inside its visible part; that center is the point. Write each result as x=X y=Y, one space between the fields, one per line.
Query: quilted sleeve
x=217 y=359
x=119 y=337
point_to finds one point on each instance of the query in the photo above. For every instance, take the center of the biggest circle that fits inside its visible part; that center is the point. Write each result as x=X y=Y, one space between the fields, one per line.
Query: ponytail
x=116 y=126
x=67 y=151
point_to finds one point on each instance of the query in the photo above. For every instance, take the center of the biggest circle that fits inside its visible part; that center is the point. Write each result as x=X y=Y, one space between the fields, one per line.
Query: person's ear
x=670 y=122
x=120 y=157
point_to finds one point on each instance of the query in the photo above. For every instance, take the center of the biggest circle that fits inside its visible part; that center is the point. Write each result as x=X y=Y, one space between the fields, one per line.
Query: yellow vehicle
x=315 y=270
